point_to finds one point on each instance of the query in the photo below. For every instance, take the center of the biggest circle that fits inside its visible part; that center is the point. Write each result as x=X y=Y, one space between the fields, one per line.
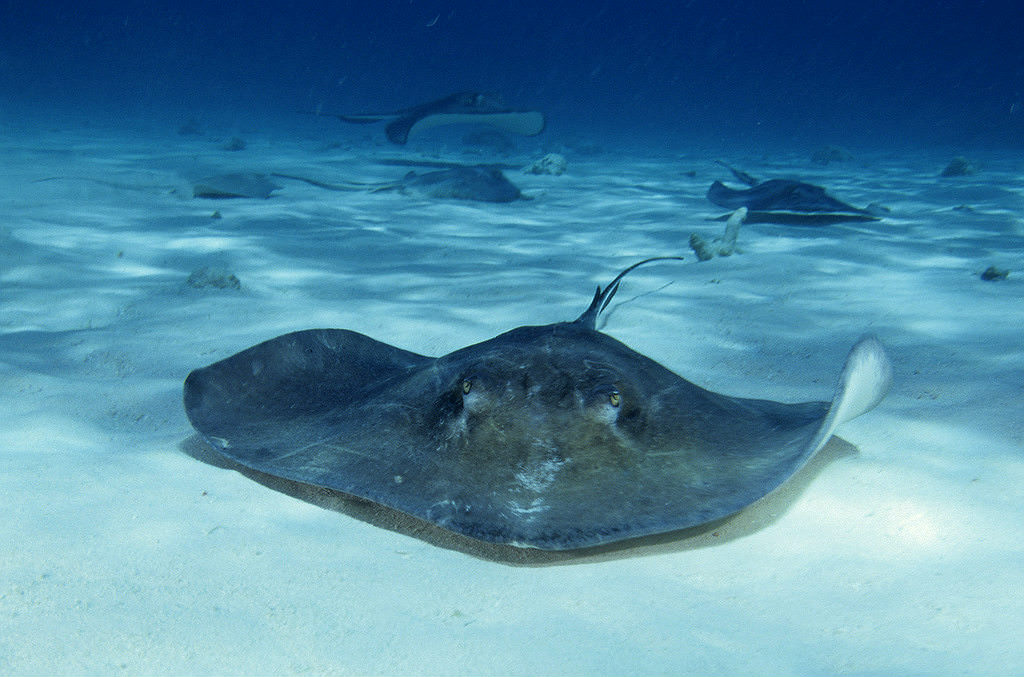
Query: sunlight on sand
x=130 y=539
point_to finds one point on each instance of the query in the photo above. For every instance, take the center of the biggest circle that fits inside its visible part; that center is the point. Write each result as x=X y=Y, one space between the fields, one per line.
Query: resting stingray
x=236 y=184
x=482 y=183
x=554 y=437
x=461 y=108
x=784 y=201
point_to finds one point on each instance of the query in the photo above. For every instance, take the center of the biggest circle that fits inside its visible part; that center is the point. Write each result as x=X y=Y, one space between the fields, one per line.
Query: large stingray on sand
x=461 y=108
x=554 y=437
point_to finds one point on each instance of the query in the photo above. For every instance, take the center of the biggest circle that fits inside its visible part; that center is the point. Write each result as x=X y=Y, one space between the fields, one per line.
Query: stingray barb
x=603 y=297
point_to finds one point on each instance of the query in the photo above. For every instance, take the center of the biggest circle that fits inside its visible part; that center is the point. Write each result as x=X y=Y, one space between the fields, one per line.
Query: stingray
x=235 y=185
x=555 y=437
x=784 y=201
x=460 y=108
x=482 y=183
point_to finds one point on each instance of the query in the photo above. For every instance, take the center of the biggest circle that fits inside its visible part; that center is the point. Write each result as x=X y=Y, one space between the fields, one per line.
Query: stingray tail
x=358 y=119
x=865 y=380
x=740 y=175
x=603 y=297
x=348 y=186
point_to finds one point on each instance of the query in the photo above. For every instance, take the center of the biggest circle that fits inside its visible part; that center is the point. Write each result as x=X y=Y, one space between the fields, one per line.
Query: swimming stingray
x=461 y=108
x=784 y=201
x=482 y=183
x=554 y=437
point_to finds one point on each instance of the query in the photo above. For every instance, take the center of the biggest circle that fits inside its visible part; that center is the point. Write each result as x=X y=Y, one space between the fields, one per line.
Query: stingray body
x=784 y=201
x=555 y=437
x=460 y=108
x=780 y=195
x=482 y=183
x=235 y=185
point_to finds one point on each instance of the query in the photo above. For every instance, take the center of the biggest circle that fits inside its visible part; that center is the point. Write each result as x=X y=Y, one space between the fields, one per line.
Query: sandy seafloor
x=128 y=549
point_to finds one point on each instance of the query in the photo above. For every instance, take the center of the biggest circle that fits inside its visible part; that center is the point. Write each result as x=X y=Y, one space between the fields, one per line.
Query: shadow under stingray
x=753 y=518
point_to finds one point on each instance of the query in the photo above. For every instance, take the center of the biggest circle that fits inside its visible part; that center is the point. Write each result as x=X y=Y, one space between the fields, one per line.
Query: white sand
x=899 y=551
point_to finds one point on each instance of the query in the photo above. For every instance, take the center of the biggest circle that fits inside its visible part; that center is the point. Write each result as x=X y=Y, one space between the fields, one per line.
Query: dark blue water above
x=871 y=73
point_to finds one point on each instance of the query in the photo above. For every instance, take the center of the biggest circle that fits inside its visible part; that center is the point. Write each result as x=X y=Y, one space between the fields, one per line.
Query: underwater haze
x=193 y=483
x=875 y=73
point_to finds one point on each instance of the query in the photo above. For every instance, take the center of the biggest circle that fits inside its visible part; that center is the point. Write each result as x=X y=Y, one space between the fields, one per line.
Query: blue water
x=746 y=74
x=128 y=548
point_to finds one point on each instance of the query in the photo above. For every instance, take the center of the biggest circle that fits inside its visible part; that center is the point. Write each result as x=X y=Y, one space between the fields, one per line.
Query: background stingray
x=554 y=437
x=461 y=108
x=235 y=184
x=784 y=201
x=481 y=183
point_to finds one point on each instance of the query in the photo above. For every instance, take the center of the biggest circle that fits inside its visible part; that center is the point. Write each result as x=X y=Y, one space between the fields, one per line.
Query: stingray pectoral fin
x=864 y=381
x=251 y=396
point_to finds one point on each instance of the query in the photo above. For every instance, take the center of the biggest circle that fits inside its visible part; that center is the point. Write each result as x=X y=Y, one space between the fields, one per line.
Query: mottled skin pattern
x=555 y=436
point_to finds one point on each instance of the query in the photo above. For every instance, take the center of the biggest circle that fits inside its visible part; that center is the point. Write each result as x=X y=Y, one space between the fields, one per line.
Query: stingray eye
x=614 y=398
x=467 y=385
